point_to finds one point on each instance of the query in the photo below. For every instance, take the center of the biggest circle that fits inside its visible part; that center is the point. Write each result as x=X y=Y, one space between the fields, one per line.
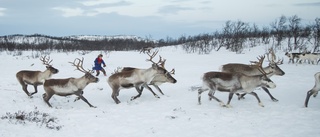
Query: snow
x=176 y=113
x=103 y=37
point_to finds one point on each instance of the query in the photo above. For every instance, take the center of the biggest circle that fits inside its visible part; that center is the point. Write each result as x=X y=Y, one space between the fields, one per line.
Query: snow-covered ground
x=175 y=114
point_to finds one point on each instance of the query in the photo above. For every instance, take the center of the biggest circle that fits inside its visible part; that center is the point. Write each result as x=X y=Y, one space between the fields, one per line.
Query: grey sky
x=145 y=18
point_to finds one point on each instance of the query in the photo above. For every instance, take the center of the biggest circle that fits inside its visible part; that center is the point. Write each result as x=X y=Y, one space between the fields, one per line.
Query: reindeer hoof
x=260 y=104
x=275 y=100
x=133 y=98
x=227 y=106
x=76 y=99
x=156 y=96
x=241 y=98
x=223 y=105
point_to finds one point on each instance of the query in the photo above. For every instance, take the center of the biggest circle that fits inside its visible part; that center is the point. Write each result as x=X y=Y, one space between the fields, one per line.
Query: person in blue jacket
x=97 y=65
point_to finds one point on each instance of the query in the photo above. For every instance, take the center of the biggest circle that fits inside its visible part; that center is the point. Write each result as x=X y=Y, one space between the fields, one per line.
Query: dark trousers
x=103 y=71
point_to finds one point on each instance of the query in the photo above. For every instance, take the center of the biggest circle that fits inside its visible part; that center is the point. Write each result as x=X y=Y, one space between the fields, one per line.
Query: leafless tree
x=278 y=28
x=254 y=35
x=315 y=28
x=294 y=28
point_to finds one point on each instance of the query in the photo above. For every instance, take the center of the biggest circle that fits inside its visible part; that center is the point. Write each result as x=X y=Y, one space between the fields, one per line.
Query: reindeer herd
x=311 y=58
x=234 y=78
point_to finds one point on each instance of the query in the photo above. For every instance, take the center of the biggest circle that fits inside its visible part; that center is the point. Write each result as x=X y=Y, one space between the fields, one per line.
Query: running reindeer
x=314 y=91
x=146 y=49
x=35 y=78
x=158 y=79
x=235 y=83
x=312 y=58
x=251 y=70
x=292 y=56
x=139 y=78
x=69 y=86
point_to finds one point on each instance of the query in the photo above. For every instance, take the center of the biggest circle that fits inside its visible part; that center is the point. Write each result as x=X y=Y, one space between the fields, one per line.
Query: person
x=97 y=65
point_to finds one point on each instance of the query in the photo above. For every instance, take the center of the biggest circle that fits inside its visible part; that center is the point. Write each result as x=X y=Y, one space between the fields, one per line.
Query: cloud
x=172 y=9
x=70 y=12
x=308 y=4
x=92 y=8
x=2 y=11
x=105 y=3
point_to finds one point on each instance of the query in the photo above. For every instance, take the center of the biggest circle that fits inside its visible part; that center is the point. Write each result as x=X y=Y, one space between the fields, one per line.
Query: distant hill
x=75 y=42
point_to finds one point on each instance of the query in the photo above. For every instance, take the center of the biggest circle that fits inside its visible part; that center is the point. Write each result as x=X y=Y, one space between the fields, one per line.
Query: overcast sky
x=145 y=18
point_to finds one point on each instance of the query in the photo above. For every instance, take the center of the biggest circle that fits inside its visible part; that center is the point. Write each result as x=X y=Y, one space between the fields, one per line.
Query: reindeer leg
x=256 y=95
x=309 y=93
x=84 y=99
x=77 y=98
x=114 y=95
x=139 y=93
x=147 y=87
x=267 y=91
x=154 y=94
x=46 y=97
x=157 y=87
x=229 y=100
x=25 y=89
x=210 y=98
x=240 y=96
x=199 y=94
x=211 y=94
x=24 y=86
x=35 y=89
x=315 y=94
x=35 y=85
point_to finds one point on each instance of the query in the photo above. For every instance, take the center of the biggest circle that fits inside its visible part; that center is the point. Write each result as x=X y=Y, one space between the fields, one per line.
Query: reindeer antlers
x=79 y=65
x=45 y=61
x=160 y=62
x=173 y=71
x=152 y=56
x=273 y=57
x=117 y=70
x=259 y=63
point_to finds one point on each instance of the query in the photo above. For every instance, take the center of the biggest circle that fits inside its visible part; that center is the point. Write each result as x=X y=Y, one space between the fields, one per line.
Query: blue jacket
x=97 y=64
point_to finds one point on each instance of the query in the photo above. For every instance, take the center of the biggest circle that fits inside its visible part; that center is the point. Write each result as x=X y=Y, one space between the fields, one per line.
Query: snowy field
x=175 y=114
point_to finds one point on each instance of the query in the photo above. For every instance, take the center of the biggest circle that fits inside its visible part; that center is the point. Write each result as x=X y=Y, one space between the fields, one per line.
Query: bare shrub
x=35 y=116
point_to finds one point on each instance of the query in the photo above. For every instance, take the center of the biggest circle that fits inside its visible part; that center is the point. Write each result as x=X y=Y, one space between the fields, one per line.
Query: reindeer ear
x=154 y=66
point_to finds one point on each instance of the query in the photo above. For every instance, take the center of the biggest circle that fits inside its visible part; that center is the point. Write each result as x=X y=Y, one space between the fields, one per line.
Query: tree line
x=287 y=33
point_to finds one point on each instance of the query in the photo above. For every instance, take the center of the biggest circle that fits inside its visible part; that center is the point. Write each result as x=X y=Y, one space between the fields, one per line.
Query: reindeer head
x=273 y=64
x=88 y=74
x=46 y=61
x=162 y=74
x=267 y=82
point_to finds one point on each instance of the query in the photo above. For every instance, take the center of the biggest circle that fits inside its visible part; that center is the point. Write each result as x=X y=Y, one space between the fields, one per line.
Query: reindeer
x=314 y=91
x=234 y=83
x=158 y=79
x=251 y=70
x=146 y=49
x=35 y=78
x=310 y=57
x=292 y=56
x=137 y=78
x=69 y=86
